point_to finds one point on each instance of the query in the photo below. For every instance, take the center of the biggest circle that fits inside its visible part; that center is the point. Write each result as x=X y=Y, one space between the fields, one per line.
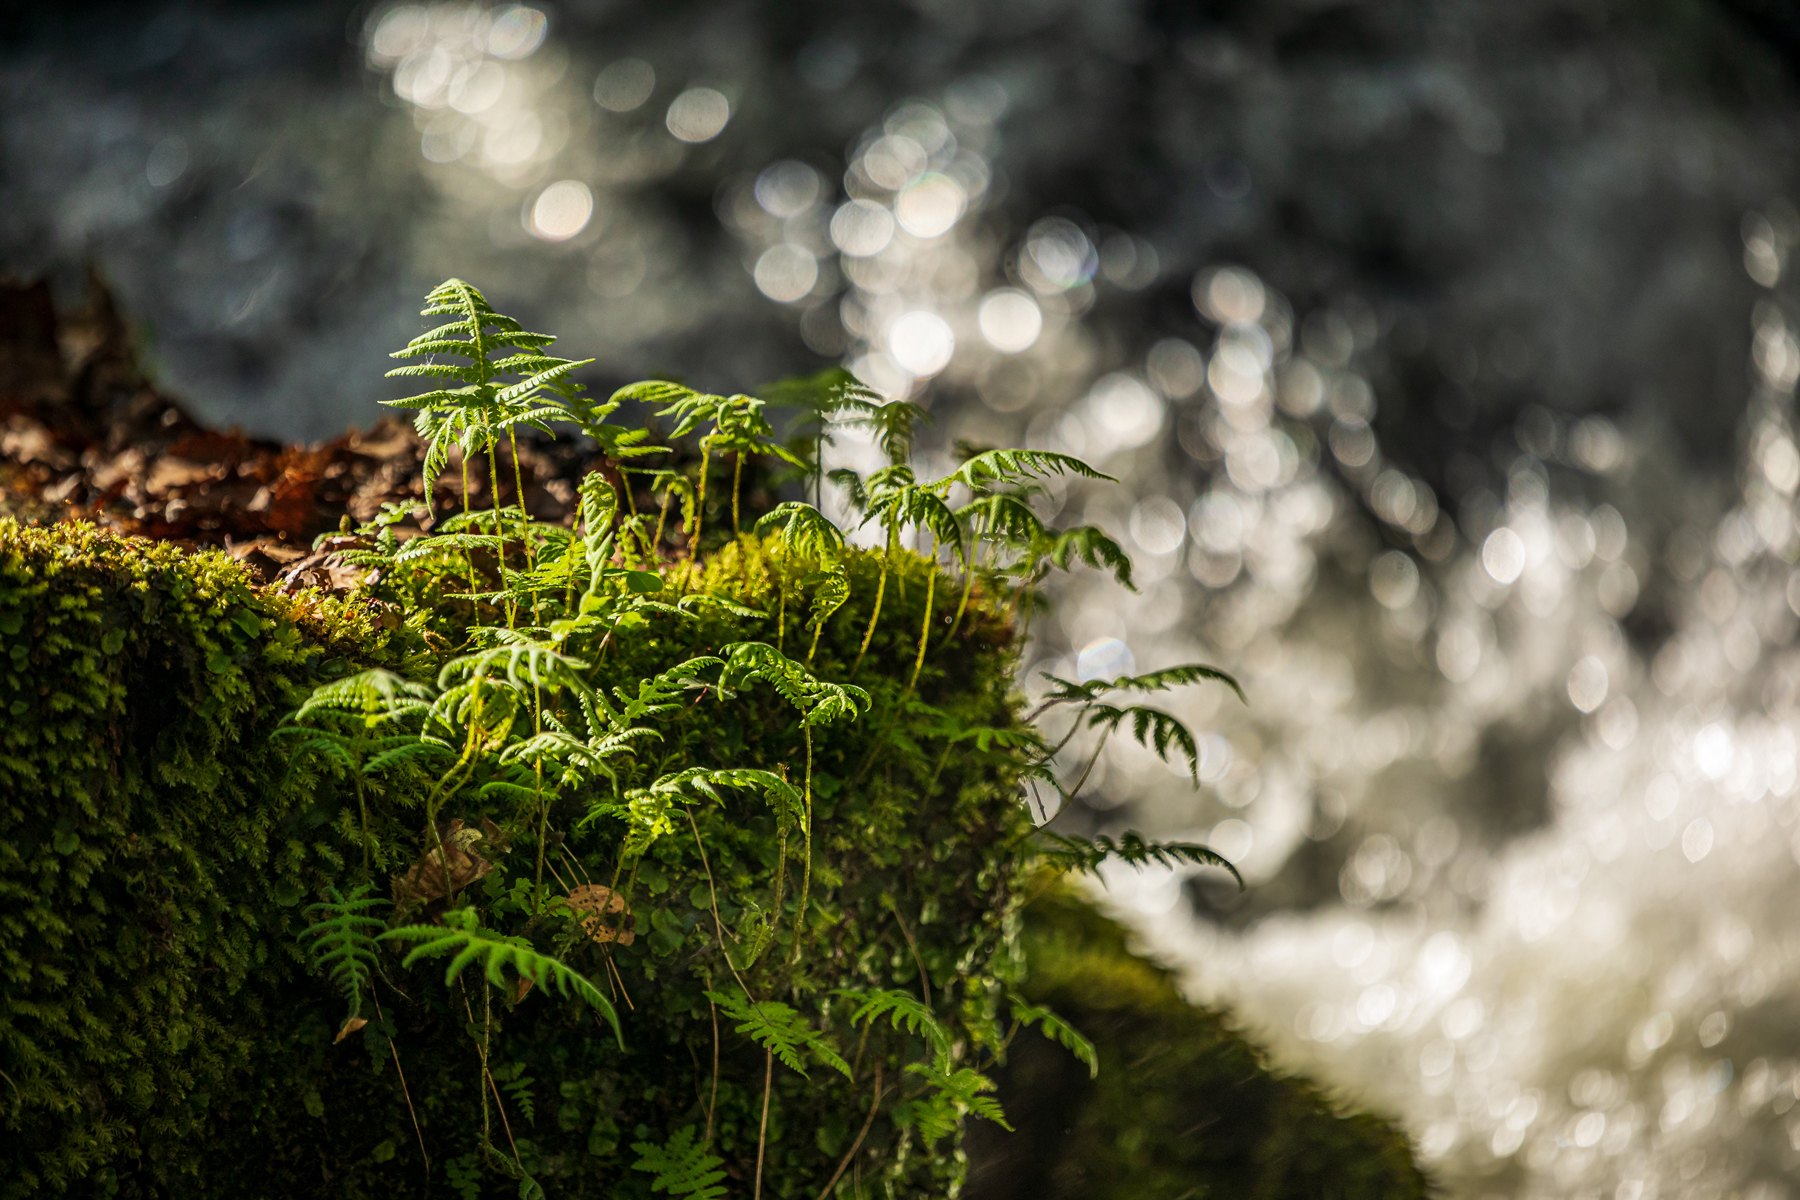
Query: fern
x=1084 y=855
x=681 y=1167
x=519 y=1087
x=466 y=943
x=1089 y=545
x=904 y=1010
x=343 y=944
x=819 y=702
x=893 y=424
x=1152 y=728
x=952 y=1096
x=465 y=1176
x=1008 y=466
x=1064 y=691
x=1057 y=1030
x=782 y=796
x=780 y=1030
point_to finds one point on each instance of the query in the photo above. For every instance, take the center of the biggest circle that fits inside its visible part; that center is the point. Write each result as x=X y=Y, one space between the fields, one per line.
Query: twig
x=487 y=1013
x=717 y=923
x=924 y=979
x=849 y=1154
x=762 y=1134
x=405 y=1091
x=713 y=1103
x=607 y=955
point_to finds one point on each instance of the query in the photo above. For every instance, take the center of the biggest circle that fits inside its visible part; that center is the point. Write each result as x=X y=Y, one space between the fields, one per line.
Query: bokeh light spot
x=1010 y=320
x=562 y=210
x=698 y=114
x=921 y=342
x=624 y=85
x=786 y=273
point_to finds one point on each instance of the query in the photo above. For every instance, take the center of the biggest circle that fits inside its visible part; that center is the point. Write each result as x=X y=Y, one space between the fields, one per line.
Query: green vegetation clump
x=155 y=847
x=1182 y=1105
x=639 y=857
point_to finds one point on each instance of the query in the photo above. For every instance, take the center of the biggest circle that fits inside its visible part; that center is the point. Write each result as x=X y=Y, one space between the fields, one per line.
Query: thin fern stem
x=468 y=555
x=924 y=978
x=407 y=1092
x=737 y=475
x=762 y=1134
x=512 y=438
x=487 y=430
x=969 y=570
x=718 y=925
x=850 y=1154
x=362 y=805
x=693 y=558
x=712 y=1102
x=880 y=589
x=781 y=574
x=925 y=626
x=806 y=879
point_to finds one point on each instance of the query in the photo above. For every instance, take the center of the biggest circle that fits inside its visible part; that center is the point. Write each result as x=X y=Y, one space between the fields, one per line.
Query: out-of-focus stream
x=1446 y=356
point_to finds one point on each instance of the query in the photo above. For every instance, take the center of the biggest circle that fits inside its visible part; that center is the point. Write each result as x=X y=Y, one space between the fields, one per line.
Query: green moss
x=153 y=845
x=1183 y=1106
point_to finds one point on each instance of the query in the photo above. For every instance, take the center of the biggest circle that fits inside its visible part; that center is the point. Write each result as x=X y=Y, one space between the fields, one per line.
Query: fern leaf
x=780 y=1030
x=681 y=1166
x=1090 y=545
x=819 y=702
x=1057 y=1030
x=1008 y=466
x=466 y=943
x=343 y=944
x=904 y=1010
x=1084 y=855
x=1152 y=728
x=1064 y=690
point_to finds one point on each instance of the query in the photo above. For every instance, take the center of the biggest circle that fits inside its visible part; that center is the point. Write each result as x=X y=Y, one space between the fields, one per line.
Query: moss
x=1183 y=1106
x=153 y=845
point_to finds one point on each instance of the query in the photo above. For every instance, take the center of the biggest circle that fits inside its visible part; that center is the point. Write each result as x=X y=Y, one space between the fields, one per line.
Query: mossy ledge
x=160 y=1034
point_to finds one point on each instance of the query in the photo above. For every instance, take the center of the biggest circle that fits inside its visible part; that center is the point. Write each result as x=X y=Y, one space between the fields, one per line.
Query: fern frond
x=371 y=692
x=903 y=1009
x=1152 y=728
x=343 y=944
x=1090 y=545
x=1063 y=691
x=466 y=943
x=782 y=796
x=1009 y=466
x=819 y=702
x=780 y=1030
x=953 y=1095
x=681 y=1167
x=1084 y=855
x=1057 y=1030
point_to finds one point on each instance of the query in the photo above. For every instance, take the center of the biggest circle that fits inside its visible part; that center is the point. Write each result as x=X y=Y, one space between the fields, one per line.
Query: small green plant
x=567 y=812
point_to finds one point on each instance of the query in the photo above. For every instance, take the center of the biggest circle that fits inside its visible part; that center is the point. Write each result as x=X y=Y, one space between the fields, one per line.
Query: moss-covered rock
x=154 y=847
x=1183 y=1104
x=160 y=1034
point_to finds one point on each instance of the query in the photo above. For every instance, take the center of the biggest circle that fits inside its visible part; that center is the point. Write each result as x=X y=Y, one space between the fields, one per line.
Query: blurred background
x=1445 y=351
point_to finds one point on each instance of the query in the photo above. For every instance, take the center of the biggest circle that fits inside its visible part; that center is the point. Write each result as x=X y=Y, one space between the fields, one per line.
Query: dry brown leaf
x=596 y=901
x=455 y=862
x=524 y=987
x=350 y=1027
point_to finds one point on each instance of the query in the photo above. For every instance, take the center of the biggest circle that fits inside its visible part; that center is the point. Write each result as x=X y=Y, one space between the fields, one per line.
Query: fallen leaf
x=597 y=900
x=455 y=862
